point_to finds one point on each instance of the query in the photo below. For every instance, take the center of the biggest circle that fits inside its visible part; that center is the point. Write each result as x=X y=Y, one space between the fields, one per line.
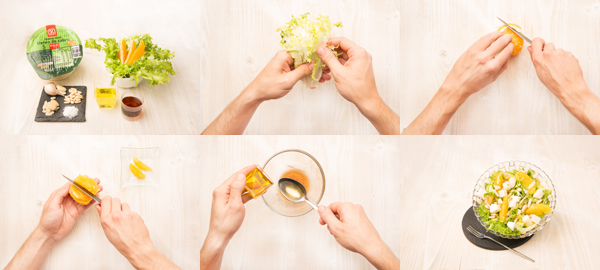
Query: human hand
x=227 y=212
x=352 y=230
x=126 y=231
x=557 y=69
x=480 y=65
x=277 y=78
x=352 y=72
x=61 y=212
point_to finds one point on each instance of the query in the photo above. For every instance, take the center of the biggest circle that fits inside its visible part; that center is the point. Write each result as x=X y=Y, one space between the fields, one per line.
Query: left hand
x=60 y=213
x=277 y=78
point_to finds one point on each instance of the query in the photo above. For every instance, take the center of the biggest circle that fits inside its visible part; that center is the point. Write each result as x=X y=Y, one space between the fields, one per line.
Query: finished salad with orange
x=514 y=202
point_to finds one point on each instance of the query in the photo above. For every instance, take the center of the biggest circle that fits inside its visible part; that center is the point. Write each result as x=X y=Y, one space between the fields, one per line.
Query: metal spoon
x=294 y=191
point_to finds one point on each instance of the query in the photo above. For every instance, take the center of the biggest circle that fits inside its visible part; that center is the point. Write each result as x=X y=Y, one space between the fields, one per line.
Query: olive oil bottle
x=257 y=182
x=106 y=97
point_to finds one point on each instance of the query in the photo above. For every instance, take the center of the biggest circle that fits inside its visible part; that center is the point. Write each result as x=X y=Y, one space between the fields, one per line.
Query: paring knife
x=515 y=30
x=83 y=190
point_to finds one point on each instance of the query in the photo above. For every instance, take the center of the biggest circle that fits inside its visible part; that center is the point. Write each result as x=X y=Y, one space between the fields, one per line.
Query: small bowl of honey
x=300 y=166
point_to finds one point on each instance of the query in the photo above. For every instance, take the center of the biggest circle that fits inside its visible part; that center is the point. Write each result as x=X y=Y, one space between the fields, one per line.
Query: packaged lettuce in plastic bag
x=54 y=52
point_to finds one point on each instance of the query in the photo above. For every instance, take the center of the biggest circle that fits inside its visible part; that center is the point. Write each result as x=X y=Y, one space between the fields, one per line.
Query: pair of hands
x=353 y=73
x=123 y=228
x=483 y=62
x=352 y=230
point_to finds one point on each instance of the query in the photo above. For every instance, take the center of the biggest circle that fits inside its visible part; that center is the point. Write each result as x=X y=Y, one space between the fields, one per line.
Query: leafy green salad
x=301 y=37
x=515 y=202
x=135 y=57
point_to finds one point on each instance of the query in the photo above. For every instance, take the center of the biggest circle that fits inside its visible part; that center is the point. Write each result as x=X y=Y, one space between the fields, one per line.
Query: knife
x=515 y=30
x=83 y=190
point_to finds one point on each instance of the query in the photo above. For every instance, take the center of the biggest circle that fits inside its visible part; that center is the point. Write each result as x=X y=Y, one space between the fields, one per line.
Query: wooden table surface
x=414 y=195
x=414 y=45
x=168 y=109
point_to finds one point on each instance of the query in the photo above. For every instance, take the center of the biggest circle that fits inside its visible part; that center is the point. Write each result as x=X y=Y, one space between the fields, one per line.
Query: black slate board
x=469 y=219
x=58 y=115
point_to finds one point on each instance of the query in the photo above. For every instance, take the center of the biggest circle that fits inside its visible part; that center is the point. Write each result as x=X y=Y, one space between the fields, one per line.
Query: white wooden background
x=168 y=109
x=357 y=169
x=414 y=45
x=239 y=38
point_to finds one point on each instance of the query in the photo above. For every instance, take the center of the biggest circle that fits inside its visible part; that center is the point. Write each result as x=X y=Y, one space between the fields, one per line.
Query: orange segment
x=526 y=180
x=504 y=209
x=139 y=52
x=137 y=172
x=123 y=51
x=86 y=182
x=131 y=51
x=516 y=39
x=499 y=180
x=141 y=165
x=538 y=209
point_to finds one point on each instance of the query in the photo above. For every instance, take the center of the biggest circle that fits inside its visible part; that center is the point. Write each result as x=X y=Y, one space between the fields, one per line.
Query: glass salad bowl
x=545 y=181
x=293 y=160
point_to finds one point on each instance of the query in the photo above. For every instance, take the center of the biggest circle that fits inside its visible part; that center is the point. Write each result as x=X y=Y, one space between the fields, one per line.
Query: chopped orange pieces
x=504 y=209
x=137 y=172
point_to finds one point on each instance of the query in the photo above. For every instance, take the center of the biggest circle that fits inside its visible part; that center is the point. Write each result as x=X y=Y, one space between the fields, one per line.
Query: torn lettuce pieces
x=302 y=36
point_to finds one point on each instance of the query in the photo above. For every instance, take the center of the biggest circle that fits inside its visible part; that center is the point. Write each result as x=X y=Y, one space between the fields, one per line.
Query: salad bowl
x=507 y=166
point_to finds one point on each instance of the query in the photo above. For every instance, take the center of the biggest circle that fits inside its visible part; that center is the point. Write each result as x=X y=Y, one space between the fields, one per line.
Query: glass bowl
x=509 y=166
x=281 y=163
x=150 y=157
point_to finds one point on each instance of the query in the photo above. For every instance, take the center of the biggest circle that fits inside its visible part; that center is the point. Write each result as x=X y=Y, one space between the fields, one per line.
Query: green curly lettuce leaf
x=301 y=37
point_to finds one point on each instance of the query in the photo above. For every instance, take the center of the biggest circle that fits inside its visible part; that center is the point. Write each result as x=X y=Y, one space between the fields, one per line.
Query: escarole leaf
x=301 y=37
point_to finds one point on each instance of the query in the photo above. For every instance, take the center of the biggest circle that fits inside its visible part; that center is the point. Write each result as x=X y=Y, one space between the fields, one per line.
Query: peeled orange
x=538 y=209
x=137 y=172
x=516 y=39
x=86 y=182
x=141 y=165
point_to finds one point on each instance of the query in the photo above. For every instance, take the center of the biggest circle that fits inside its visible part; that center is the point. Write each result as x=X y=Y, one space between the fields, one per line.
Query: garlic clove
x=50 y=89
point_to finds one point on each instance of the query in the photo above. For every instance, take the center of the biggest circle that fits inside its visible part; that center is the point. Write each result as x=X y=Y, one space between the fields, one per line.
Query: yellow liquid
x=106 y=97
x=299 y=176
x=257 y=182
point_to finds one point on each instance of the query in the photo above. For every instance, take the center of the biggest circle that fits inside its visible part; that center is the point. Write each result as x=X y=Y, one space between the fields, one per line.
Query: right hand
x=277 y=78
x=557 y=69
x=124 y=229
x=352 y=230
x=227 y=212
x=352 y=72
x=480 y=65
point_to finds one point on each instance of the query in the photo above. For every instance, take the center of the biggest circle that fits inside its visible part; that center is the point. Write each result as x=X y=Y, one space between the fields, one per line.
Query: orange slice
x=538 y=209
x=89 y=184
x=137 y=172
x=139 y=52
x=123 y=51
x=526 y=180
x=131 y=51
x=141 y=165
x=516 y=39
x=504 y=209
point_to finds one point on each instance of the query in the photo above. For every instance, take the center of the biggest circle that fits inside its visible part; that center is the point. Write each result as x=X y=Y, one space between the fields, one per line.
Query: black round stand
x=469 y=219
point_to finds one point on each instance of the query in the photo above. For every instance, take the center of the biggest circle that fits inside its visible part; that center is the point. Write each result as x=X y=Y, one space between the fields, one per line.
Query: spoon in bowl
x=294 y=191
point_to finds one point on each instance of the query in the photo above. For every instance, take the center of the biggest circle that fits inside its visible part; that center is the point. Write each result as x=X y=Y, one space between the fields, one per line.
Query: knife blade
x=515 y=30
x=83 y=189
